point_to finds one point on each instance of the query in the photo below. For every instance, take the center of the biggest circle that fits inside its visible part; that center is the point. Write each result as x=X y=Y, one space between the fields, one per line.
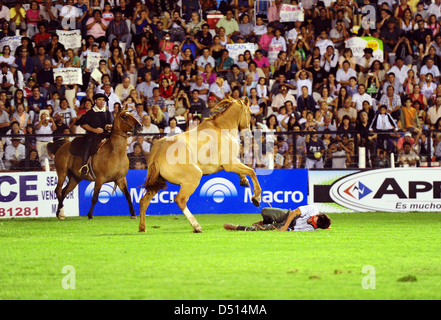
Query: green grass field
x=113 y=261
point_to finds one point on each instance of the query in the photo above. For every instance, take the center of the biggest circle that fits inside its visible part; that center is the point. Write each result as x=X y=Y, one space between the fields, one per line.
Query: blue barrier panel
x=218 y=193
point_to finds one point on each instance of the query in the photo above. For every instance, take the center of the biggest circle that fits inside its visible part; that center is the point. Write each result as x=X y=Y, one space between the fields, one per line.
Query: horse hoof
x=142 y=231
x=255 y=201
x=90 y=217
x=133 y=217
x=197 y=230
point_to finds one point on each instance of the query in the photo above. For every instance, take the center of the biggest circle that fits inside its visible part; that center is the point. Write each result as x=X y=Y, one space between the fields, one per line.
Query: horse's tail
x=154 y=181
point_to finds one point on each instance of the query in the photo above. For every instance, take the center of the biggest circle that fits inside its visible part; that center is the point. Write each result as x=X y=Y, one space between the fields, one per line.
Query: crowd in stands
x=161 y=61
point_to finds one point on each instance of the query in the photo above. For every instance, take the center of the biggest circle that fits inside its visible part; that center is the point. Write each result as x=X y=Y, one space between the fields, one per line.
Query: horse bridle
x=125 y=135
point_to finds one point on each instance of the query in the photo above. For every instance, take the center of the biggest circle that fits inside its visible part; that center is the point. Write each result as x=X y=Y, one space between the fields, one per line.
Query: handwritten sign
x=12 y=42
x=70 y=39
x=69 y=75
x=274 y=52
x=291 y=13
x=93 y=60
x=358 y=44
x=236 y=49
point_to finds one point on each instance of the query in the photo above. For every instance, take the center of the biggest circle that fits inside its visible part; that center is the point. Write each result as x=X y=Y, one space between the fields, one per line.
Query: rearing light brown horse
x=109 y=164
x=210 y=147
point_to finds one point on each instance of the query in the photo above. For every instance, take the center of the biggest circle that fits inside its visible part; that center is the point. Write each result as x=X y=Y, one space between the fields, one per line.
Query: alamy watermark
x=69 y=280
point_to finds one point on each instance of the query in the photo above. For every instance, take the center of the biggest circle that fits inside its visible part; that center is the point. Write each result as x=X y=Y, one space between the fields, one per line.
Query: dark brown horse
x=109 y=164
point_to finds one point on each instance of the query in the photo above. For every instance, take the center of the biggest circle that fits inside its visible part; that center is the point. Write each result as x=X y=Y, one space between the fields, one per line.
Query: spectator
x=14 y=153
x=408 y=157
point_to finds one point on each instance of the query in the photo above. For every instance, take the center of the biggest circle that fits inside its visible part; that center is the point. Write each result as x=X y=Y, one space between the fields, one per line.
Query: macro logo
x=106 y=192
x=218 y=189
x=357 y=190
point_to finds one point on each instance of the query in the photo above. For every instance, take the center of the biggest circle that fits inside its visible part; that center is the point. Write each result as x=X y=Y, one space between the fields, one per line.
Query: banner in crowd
x=273 y=52
x=93 y=60
x=236 y=49
x=12 y=42
x=32 y=195
x=71 y=39
x=290 y=13
x=391 y=190
x=358 y=44
x=218 y=193
x=69 y=75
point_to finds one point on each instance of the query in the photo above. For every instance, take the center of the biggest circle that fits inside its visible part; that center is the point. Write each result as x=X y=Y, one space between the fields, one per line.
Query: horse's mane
x=222 y=106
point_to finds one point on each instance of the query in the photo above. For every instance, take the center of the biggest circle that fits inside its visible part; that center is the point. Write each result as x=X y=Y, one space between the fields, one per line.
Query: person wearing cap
x=14 y=153
x=95 y=121
x=304 y=218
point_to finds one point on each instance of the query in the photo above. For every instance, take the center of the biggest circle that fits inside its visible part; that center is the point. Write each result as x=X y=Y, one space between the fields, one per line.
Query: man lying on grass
x=304 y=218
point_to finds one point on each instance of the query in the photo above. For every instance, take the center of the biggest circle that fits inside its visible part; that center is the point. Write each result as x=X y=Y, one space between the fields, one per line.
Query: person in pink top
x=265 y=40
x=262 y=62
x=97 y=26
x=274 y=11
x=32 y=19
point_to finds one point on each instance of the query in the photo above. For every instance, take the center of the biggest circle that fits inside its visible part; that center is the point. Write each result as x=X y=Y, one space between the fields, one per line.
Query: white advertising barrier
x=32 y=195
x=391 y=190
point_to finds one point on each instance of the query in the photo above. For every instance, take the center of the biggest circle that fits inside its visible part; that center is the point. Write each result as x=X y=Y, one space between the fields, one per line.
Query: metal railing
x=288 y=134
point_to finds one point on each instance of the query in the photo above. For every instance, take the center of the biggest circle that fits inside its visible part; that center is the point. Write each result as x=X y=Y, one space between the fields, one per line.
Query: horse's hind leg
x=181 y=199
x=144 y=203
x=122 y=185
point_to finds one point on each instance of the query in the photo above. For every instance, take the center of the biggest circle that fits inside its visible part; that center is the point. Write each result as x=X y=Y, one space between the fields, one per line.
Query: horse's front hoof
x=197 y=230
x=90 y=217
x=133 y=217
x=143 y=231
x=256 y=201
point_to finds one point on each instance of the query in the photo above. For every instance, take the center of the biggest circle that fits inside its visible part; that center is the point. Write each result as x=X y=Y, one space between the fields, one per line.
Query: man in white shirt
x=360 y=97
x=149 y=127
x=400 y=70
x=430 y=67
x=323 y=42
x=4 y=12
x=220 y=92
x=435 y=8
x=304 y=218
x=13 y=154
x=205 y=59
x=201 y=86
x=145 y=89
x=329 y=61
x=112 y=98
x=345 y=73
